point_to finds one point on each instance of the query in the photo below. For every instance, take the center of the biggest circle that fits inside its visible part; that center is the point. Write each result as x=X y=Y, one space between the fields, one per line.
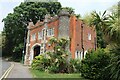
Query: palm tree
x=112 y=29
x=99 y=21
x=114 y=39
x=109 y=24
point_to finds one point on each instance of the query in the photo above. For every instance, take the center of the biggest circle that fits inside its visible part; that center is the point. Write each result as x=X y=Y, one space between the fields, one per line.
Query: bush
x=74 y=66
x=37 y=63
x=94 y=64
x=40 y=62
x=57 y=61
x=113 y=70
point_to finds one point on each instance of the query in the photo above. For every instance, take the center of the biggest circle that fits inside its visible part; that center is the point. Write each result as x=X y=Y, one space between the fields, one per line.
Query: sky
x=81 y=7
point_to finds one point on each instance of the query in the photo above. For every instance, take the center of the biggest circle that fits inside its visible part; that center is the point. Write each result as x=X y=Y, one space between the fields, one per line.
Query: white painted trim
x=32 y=52
x=50 y=30
x=75 y=54
x=81 y=55
x=85 y=53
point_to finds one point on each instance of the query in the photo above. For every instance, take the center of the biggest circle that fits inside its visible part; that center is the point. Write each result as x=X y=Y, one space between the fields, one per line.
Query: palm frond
x=104 y=13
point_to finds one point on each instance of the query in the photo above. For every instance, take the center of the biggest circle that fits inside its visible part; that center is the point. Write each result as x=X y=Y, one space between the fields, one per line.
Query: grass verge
x=41 y=74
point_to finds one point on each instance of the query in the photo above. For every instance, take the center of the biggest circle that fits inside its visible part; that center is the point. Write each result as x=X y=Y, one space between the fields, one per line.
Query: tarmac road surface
x=4 y=65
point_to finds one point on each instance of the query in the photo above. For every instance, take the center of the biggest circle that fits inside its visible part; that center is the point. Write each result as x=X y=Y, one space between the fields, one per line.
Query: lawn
x=41 y=74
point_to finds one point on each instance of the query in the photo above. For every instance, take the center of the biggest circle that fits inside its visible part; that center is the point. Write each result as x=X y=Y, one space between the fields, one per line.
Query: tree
x=112 y=31
x=15 y=23
x=69 y=9
x=109 y=25
x=113 y=70
x=98 y=21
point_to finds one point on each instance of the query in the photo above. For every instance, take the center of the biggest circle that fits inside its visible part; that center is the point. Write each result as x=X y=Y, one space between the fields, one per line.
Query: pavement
x=19 y=71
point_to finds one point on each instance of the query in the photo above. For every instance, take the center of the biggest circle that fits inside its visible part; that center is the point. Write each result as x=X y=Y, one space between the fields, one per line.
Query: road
x=13 y=70
x=4 y=65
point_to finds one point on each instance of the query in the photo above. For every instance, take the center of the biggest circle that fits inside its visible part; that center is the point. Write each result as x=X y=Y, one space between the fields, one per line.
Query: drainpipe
x=82 y=45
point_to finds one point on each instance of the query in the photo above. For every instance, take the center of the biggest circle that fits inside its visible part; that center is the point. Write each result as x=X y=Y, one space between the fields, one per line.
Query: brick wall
x=69 y=27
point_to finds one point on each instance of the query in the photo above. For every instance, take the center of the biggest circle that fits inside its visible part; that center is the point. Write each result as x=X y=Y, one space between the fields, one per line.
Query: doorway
x=36 y=51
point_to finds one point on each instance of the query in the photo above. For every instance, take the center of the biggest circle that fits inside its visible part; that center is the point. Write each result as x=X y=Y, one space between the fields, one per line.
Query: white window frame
x=33 y=36
x=40 y=35
x=81 y=55
x=89 y=36
x=77 y=55
x=50 y=32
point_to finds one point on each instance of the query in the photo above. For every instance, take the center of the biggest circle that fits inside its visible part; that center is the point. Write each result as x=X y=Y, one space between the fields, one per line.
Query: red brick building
x=82 y=37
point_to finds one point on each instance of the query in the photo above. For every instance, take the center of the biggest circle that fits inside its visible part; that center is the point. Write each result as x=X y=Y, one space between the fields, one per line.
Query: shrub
x=74 y=66
x=113 y=70
x=37 y=63
x=57 y=61
x=93 y=65
x=40 y=62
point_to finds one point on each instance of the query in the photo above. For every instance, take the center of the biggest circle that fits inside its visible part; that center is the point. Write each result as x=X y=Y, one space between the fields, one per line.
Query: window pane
x=39 y=35
x=33 y=37
x=89 y=36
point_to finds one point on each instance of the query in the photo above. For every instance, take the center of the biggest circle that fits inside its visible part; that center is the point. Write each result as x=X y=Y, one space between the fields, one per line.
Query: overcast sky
x=81 y=6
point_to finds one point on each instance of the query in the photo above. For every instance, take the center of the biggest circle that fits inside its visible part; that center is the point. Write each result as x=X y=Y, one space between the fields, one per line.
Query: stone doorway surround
x=32 y=51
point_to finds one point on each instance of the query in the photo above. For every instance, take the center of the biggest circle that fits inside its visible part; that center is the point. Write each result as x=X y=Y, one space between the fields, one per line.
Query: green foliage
x=112 y=33
x=58 y=60
x=74 y=66
x=113 y=70
x=41 y=62
x=98 y=21
x=36 y=64
x=108 y=28
x=16 y=23
x=112 y=30
x=53 y=76
x=115 y=64
x=93 y=65
x=78 y=16
x=69 y=9
x=59 y=56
